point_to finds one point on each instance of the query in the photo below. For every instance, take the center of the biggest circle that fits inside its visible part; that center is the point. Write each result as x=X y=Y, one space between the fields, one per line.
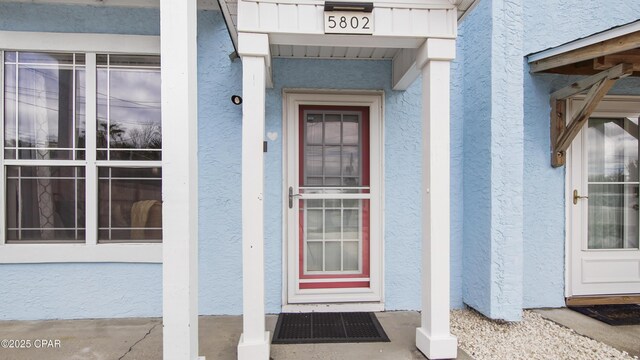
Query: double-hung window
x=82 y=148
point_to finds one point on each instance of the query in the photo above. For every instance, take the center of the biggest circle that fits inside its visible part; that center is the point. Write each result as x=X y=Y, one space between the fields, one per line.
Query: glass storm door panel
x=605 y=249
x=334 y=198
x=612 y=184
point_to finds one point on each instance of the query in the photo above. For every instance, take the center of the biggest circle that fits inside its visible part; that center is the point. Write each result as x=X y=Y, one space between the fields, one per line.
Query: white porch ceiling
x=332 y=52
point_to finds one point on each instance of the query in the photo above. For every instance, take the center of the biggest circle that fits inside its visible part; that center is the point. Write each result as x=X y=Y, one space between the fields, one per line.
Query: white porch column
x=433 y=337
x=180 y=179
x=254 y=51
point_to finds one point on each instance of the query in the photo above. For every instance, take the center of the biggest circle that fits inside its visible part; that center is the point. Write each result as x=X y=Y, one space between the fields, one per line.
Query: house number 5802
x=354 y=22
x=348 y=23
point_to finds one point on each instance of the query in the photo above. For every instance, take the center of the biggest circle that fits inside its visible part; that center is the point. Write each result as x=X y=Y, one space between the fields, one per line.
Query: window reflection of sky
x=129 y=101
x=613 y=151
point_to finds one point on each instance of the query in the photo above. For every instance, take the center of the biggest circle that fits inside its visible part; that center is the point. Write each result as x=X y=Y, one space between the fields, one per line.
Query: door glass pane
x=314 y=129
x=351 y=221
x=613 y=216
x=350 y=255
x=332 y=258
x=333 y=225
x=314 y=224
x=613 y=183
x=332 y=131
x=613 y=150
x=332 y=161
x=350 y=130
x=314 y=256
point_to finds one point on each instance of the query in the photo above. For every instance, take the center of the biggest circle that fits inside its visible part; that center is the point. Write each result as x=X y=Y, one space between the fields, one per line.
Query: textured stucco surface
x=124 y=290
x=549 y=23
x=493 y=164
x=475 y=42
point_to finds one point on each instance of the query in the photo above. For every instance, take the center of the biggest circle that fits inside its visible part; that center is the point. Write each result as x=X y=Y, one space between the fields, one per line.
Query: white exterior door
x=333 y=200
x=603 y=201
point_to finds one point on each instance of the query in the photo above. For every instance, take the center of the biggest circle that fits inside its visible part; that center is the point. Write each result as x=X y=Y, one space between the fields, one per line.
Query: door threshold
x=342 y=307
x=603 y=300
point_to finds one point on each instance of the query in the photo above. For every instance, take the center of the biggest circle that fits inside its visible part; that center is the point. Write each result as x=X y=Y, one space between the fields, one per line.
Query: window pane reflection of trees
x=129 y=117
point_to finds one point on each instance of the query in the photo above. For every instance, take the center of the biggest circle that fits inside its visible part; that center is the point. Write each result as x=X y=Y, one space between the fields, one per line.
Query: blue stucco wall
x=493 y=162
x=122 y=290
x=475 y=43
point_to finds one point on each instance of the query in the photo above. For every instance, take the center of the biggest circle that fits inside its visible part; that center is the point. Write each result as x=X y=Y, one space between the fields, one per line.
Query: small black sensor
x=236 y=100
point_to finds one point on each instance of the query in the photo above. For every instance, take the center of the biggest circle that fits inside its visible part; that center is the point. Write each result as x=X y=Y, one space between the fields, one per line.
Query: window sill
x=80 y=253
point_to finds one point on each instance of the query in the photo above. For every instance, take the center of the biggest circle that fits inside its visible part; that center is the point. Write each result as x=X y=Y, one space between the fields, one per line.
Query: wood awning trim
x=597 y=86
x=615 y=45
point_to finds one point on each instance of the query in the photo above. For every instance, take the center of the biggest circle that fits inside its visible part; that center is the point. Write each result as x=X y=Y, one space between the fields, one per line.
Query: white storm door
x=333 y=205
x=605 y=208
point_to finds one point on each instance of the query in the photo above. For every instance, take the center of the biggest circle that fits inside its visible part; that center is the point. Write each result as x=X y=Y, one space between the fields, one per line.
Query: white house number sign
x=348 y=22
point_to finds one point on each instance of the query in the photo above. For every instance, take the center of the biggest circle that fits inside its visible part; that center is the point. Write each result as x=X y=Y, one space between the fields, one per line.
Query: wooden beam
x=598 y=86
x=607 y=47
x=609 y=61
x=592 y=100
x=558 y=125
x=577 y=87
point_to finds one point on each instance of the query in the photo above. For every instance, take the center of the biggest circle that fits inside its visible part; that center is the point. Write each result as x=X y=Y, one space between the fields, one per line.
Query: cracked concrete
x=137 y=342
x=141 y=339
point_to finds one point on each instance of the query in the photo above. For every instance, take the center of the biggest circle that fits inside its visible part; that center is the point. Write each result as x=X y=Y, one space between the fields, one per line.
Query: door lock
x=576 y=197
x=291 y=196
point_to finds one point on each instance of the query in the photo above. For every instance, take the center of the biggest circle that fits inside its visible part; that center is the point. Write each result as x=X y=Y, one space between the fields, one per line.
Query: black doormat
x=612 y=314
x=308 y=328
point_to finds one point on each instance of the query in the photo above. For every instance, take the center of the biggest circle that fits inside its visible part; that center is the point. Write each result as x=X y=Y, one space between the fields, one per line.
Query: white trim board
x=586 y=41
x=80 y=253
x=76 y=42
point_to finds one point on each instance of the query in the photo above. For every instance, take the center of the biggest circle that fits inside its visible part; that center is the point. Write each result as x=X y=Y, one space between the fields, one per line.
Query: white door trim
x=374 y=100
x=610 y=106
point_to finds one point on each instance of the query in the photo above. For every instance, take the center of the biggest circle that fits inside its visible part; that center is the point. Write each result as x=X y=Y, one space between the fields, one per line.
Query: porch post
x=254 y=51
x=433 y=337
x=180 y=179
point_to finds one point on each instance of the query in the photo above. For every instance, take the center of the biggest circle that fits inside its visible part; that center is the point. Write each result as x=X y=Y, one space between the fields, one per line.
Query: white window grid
x=90 y=163
x=75 y=67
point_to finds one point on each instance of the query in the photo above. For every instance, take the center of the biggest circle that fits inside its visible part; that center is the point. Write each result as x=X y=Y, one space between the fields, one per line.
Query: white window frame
x=371 y=299
x=90 y=251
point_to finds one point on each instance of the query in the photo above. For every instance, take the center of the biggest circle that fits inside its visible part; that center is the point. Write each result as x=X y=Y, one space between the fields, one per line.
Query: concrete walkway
x=142 y=339
x=625 y=338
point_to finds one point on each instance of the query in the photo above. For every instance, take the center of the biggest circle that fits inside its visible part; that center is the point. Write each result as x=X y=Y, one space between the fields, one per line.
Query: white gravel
x=532 y=338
